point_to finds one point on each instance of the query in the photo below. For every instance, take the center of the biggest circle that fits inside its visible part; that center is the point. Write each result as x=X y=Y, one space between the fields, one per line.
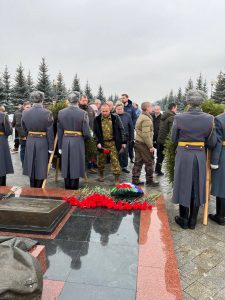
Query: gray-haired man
x=38 y=124
x=73 y=129
x=193 y=130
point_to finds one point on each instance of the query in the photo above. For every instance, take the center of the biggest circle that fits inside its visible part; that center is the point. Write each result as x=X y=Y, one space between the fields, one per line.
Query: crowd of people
x=122 y=131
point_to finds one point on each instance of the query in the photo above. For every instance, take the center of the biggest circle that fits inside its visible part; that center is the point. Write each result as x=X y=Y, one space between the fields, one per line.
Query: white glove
x=60 y=151
x=214 y=167
x=50 y=152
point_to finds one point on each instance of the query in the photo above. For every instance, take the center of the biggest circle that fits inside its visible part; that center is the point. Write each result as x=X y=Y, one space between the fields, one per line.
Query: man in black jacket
x=166 y=123
x=129 y=131
x=18 y=111
x=128 y=108
x=156 y=117
x=110 y=134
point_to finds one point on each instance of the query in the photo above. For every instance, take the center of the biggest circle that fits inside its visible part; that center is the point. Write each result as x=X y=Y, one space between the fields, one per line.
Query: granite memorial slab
x=31 y=215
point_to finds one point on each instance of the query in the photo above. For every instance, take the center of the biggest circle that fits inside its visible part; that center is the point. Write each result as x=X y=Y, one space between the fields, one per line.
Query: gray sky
x=143 y=48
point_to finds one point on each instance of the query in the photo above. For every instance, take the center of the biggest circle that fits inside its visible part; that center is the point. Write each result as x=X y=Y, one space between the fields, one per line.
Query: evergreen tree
x=43 y=81
x=219 y=92
x=6 y=83
x=205 y=88
x=199 y=83
x=76 y=84
x=30 y=84
x=60 y=87
x=116 y=98
x=189 y=86
x=20 y=87
x=2 y=93
x=111 y=98
x=171 y=98
x=100 y=95
x=87 y=92
x=180 y=100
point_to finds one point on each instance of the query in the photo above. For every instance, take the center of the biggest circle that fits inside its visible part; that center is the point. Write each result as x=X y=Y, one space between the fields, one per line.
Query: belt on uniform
x=195 y=144
x=71 y=132
x=37 y=133
x=2 y=133
x=223 y=143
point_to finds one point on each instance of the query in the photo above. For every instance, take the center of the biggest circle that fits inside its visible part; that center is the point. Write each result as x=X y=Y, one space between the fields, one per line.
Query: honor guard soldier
x=218 y=171
x=6 y=166
x=73 y=129
x=38 y=124
x=192 y=130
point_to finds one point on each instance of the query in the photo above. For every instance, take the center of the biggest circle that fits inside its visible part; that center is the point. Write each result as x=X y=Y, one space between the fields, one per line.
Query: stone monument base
x=31 y=215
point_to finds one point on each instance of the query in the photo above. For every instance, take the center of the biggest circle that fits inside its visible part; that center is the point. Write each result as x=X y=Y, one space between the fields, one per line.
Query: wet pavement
x=82 y=255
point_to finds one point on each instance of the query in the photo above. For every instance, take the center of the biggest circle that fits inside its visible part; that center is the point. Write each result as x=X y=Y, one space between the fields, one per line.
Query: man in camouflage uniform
x=110 y=134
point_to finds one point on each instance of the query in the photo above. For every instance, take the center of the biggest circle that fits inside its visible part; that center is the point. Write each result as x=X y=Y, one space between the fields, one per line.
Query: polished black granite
x=93 y=292
x=96 y=254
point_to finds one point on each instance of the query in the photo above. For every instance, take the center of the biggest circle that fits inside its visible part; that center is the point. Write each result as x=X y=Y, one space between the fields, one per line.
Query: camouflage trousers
x=113 y=156
x=142 y=157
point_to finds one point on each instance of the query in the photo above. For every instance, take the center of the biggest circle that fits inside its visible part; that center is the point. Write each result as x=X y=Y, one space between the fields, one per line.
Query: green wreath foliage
x=208 y=106
x=57 y=107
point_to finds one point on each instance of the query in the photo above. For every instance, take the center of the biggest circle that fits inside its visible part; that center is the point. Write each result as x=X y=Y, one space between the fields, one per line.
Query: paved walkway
x=199 y=252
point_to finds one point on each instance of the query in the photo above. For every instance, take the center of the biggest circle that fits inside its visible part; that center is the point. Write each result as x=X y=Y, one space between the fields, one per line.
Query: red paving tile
x=52 y=289
x=158 y=276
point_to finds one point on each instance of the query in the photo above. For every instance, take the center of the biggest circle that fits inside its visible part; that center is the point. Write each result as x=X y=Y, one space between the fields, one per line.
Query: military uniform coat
x=6 y=166
x=190 y=163
x=37 y=119
x=218 y=158
x=73 y=118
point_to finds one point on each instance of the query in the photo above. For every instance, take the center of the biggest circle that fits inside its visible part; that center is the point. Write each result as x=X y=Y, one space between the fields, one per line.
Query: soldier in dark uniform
x=218 y=171
x=6 y=166
x=193 y=130
x=73 y=129
x=38 y=124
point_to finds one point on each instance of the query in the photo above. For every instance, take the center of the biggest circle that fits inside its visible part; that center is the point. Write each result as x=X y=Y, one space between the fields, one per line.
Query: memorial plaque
x=31 y=215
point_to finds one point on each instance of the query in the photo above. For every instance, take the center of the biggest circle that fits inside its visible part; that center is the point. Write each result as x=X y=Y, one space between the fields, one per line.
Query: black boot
x=67 y=183
x=219 y=217
x=38 y=183
x=193 y=215
x=182 y=220
x=3 y=181
x=32 y=182
x=74 y=184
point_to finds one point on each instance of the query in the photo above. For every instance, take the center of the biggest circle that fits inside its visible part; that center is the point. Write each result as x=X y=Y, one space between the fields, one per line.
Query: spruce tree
x=30 y=84
x=76 y=84
x=180 y=100
x=199 y=83
x=171 y=98
x=87 y=92
x=219 y=92
x=20 y=87
x=43 y=81
x=205 y=88
x=60 y=87
x=6 y=83
x=3 y=100
x=100 y=95
x=189 y=86
x=116 y=98
x=111 y=98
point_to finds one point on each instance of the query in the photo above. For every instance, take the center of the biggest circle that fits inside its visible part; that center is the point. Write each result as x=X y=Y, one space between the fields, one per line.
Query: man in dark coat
x=6 y=166
x=110 y=134
x=218 y=171
x=129 y=131
x=156 y=117
x=192 y=130
x=73 y=129
x=166 y=123
x=128 y=108
x=20 y=130
x=38 y=124
x=16 y=140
